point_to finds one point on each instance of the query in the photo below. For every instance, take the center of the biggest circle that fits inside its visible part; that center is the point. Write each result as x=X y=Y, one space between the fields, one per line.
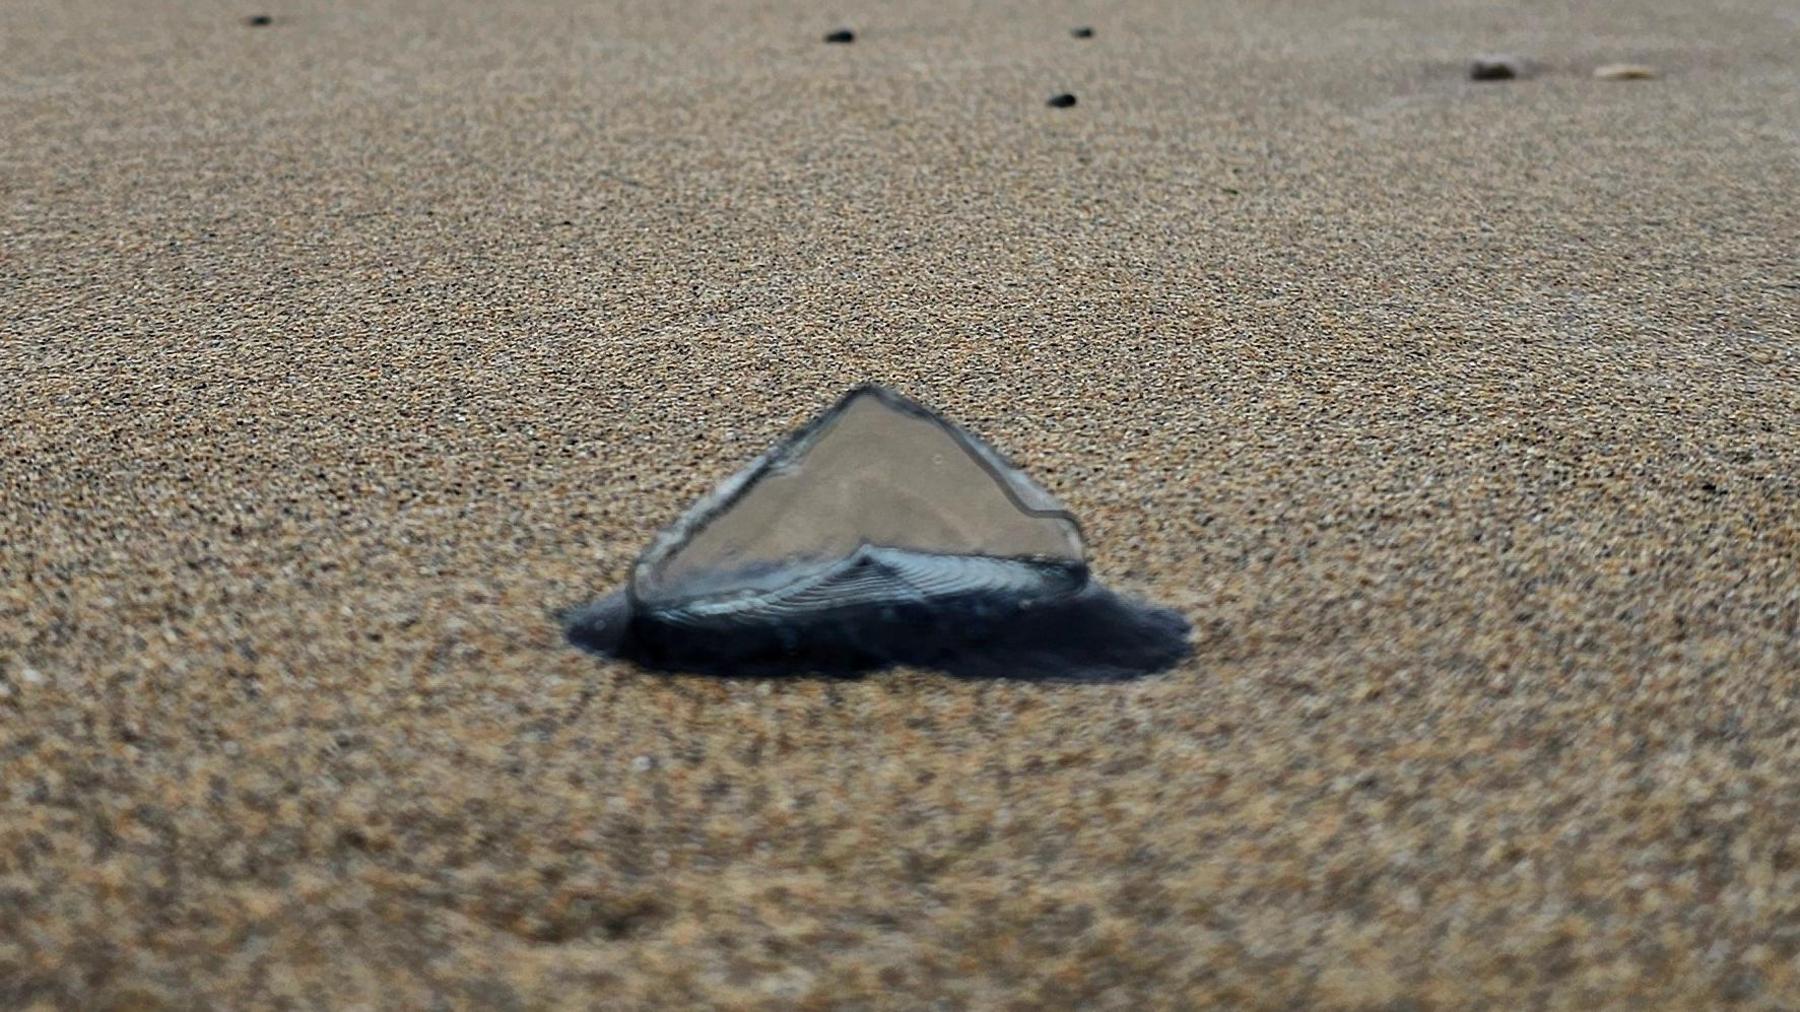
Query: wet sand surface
x=1461 y=419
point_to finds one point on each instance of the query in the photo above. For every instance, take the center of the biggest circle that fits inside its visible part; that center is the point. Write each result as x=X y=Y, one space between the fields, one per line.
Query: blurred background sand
x=1462 y=419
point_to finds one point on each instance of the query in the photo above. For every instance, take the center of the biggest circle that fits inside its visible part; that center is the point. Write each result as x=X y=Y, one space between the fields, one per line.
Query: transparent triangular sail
x=876 y=498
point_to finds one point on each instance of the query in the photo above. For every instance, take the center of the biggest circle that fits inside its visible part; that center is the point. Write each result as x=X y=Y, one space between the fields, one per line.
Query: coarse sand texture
x=344 y=347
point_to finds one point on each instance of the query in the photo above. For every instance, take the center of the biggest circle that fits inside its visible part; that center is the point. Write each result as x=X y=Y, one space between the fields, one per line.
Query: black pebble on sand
x=1495 y=68
x=259 y=21
x=1083 y=32
x=1062 y=101
x=841 y=35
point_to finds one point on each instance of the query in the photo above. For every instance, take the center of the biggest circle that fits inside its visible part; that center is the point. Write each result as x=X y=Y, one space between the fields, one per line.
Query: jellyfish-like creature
x=878 y=534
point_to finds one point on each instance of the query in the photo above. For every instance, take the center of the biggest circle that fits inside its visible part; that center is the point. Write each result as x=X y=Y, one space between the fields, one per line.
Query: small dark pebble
x=259 y=21
x=841 y=35
x=1062 y=101
x=1083 y=33
x=1495 y=68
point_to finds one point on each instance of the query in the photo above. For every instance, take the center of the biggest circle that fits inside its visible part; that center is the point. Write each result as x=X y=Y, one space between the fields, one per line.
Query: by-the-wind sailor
x=878 y=534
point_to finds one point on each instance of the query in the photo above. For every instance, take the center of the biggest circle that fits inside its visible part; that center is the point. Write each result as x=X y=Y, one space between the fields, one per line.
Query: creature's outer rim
x=726 y=494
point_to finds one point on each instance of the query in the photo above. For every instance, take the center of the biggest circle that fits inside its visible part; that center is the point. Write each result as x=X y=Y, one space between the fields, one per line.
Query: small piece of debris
x=1625 y=72
x=842 y=35
x=1083 y=32
x=1496 y=68
x=1062 y=101
x=259 y=21
x=32 y=676
x=643 y=764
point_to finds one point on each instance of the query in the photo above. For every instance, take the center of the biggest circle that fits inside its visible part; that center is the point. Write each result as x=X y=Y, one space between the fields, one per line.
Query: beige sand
x=1462 y=419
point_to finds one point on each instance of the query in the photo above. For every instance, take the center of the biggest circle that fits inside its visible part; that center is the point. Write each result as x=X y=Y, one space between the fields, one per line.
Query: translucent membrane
x=876 y=500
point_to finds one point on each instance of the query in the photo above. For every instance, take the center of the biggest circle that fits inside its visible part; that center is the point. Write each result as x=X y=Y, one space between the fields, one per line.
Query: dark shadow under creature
x=1091 y=635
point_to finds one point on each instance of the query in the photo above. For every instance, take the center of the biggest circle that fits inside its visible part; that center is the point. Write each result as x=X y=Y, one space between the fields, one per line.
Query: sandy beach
x=1460 y=418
